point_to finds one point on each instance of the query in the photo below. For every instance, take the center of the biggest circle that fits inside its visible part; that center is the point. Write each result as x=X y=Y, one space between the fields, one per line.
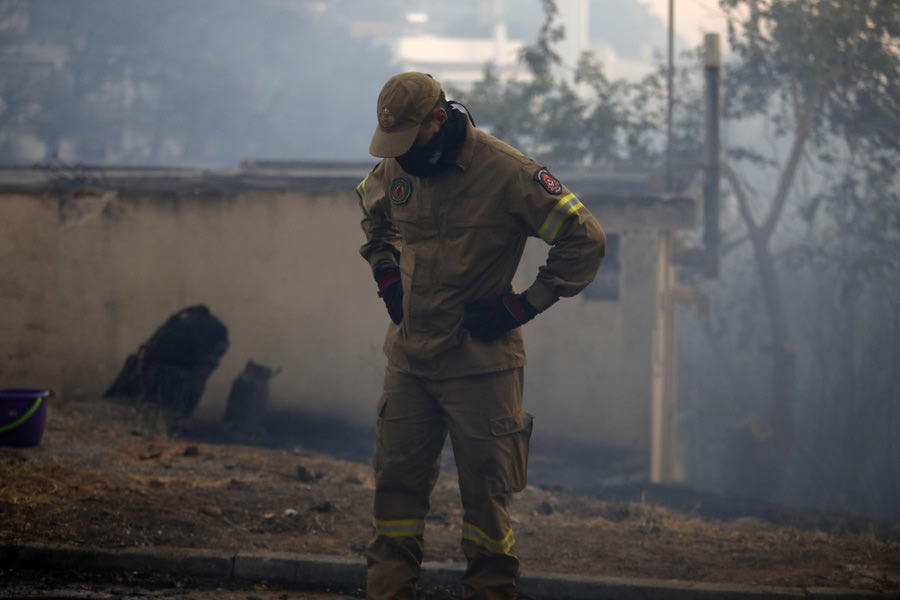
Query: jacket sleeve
x=383 y=242
x=577 y=242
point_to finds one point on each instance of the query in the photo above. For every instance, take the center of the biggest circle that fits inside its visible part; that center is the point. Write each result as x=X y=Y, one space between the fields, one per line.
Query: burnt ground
x=108 y=476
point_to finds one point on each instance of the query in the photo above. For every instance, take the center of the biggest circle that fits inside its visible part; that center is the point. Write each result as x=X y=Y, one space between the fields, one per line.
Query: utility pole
x=711 y=181
x=669 y=96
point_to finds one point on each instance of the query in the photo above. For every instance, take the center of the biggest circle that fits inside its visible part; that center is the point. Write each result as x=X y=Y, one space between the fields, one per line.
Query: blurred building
x=459 y=62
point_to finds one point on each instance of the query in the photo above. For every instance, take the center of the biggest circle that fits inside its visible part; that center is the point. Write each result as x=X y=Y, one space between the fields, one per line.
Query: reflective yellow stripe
x=564 y=209
x=473 y=534
x=403 y=528
x=361 y=192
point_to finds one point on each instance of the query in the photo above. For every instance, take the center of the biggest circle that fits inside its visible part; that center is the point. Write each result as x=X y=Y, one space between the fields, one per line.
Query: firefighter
x=446 y=215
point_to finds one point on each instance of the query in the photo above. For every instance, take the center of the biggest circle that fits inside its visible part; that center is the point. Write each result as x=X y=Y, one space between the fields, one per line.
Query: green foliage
x=541 y=57
x=588 y=119
x=841 y=57
x=826 y=75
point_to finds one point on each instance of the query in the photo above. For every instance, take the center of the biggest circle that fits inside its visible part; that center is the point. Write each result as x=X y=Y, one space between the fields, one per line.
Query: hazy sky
x=693 y=18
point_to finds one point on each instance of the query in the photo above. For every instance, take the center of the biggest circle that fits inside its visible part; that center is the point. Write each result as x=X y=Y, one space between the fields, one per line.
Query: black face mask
x=441 y=150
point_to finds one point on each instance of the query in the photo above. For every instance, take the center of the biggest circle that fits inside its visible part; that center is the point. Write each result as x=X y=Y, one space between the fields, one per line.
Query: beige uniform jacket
x=459 y=236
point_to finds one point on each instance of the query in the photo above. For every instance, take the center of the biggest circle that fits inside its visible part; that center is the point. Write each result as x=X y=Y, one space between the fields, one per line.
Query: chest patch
x=550 y=183
x=400 y=190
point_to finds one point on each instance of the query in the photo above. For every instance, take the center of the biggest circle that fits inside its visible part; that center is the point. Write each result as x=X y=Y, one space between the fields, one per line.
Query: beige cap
x=405 y=101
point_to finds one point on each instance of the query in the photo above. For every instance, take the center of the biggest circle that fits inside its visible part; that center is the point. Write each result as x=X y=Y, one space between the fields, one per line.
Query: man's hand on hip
x=489 y=318
x=390 y=289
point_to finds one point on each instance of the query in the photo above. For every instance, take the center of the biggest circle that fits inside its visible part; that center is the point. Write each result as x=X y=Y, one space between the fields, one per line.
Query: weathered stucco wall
x=281 y=269
x=29 y=292
x=589 y=361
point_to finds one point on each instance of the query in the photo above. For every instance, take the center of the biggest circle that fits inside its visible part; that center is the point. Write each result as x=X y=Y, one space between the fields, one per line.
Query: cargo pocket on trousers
x=513 y=435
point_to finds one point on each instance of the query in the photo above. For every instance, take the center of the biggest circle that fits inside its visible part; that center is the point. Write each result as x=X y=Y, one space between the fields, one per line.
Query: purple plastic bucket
x=23 y=413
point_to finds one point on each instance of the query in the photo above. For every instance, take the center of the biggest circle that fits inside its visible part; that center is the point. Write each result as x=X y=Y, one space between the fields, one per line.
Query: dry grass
x=96 y=482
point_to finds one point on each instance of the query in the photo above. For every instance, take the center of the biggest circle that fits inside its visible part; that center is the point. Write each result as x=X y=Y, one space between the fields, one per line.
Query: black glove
x=390 y=289
x=489 y=318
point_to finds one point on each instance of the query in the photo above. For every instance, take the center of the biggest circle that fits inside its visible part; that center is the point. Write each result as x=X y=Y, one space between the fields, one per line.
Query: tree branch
x=741 y=194
x=728 y=247
x=801 y=134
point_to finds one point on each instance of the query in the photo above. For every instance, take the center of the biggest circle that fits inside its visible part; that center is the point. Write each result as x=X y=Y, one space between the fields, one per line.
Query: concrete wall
x=592 y=363
x=29 y=292
x=589 y=369
x=279 y=265
x=280 y=269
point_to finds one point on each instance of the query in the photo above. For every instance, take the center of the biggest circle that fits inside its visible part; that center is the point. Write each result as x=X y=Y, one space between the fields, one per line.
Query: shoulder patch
x=548 y=181
x=400 y=190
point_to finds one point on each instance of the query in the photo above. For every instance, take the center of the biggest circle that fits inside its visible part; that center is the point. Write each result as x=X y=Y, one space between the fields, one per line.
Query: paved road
x=35 y=585
x=118 y=593
x=144 y=573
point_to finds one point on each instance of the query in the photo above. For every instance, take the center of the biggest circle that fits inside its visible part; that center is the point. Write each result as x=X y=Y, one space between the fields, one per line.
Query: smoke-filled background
x=789 y=360
x=213 y=82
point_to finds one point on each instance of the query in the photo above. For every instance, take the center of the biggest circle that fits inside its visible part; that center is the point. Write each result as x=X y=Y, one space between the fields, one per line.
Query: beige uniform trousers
x=490 y=433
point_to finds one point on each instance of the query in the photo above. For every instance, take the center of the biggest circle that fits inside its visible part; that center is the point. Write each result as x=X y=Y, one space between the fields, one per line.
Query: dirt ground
x=104 y=476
